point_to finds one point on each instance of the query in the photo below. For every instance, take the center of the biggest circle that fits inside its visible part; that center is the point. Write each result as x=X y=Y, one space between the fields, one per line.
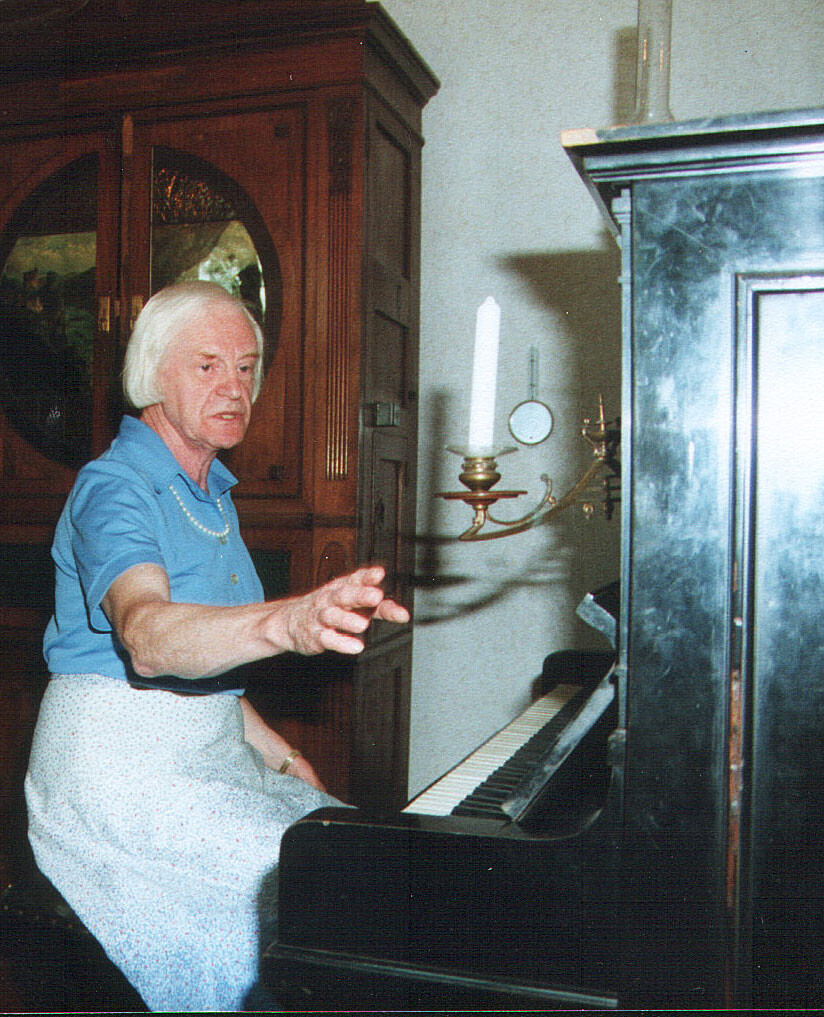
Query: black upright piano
x=664 y=848
x=495 y=886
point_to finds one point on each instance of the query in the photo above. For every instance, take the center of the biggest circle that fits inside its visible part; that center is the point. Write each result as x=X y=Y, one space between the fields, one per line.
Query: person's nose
x=230 y=385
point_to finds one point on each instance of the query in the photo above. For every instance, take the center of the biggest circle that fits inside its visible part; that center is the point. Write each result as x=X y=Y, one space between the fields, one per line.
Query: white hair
x=161 y=322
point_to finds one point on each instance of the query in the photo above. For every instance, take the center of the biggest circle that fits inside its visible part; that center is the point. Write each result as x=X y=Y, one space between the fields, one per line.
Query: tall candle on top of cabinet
x=484 y=376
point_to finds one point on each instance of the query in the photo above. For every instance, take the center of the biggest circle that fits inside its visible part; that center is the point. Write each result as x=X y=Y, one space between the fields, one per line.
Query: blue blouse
x=136 y=505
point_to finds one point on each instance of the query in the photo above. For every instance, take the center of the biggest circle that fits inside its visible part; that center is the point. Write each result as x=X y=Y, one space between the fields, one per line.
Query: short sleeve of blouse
x=112 y=522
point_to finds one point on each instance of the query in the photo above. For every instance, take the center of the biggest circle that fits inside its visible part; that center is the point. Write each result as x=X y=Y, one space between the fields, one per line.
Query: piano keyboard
x=447 y=793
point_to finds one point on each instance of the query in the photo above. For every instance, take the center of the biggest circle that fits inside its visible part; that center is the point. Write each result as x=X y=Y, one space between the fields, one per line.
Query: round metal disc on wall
x=530 y=422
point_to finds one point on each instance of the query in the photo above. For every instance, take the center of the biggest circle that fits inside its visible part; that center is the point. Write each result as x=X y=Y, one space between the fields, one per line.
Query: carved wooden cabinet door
x=222 y=198
x=58 y=242
x=390 y=371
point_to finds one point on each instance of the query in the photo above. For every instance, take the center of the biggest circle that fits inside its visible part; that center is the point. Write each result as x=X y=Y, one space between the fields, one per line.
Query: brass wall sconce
x=480 y=474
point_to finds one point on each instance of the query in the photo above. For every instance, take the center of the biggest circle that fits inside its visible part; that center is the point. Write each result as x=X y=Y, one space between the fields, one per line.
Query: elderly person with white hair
x=157 y=796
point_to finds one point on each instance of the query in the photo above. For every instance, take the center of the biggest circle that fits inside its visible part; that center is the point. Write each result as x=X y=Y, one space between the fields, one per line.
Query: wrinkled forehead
x=217 y=328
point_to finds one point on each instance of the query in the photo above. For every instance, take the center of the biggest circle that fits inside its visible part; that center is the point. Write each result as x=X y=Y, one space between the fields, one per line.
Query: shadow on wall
x=623 y=76
x=433 y=575
x=435 y=477
x=582 y=290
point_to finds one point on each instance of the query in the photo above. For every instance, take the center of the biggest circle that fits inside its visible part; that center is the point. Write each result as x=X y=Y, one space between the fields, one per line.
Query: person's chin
x=227 y=434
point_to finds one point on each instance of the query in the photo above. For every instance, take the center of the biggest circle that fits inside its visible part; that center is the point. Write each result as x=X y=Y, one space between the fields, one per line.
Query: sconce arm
x=480 y=475
x=543 y=512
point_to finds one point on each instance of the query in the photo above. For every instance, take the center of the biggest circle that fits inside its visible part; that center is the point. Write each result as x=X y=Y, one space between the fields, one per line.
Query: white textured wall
x=505 y=213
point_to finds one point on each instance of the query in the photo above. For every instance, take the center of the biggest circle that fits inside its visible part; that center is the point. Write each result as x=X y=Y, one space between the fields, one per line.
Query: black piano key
x=485 y=800
x=484 y=795
x=479 y=811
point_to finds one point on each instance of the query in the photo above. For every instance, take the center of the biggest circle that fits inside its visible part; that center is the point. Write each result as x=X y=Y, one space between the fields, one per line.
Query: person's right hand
x=336 y=615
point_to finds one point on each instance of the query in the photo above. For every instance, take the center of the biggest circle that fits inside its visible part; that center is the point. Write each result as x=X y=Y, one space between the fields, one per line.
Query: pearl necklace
x=221 y=535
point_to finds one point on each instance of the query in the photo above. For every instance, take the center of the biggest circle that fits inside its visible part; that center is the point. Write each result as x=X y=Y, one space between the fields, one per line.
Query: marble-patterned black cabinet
x=721 y=224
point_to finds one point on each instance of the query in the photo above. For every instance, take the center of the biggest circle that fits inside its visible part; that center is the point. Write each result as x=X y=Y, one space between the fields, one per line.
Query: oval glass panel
x=205 y=227
x=47 y=314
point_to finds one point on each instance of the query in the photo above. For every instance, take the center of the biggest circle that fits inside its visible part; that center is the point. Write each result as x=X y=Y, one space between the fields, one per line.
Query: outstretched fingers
x=361 y=592
x=360 y=589
x=389 y=611
x=336 y=615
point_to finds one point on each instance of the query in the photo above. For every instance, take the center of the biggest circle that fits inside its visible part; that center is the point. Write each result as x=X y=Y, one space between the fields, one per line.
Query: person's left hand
x=301 y=767
x=274 y=749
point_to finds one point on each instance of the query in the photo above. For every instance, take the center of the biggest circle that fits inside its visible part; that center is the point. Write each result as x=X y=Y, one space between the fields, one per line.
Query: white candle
x=484 y=376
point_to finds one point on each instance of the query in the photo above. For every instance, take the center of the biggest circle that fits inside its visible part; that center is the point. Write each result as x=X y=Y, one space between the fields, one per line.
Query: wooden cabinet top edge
x=264 y=78
x=56 y=38
x=392 y=46
x=95 y=41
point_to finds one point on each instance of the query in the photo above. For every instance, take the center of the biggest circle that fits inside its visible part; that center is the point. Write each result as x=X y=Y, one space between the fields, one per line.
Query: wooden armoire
x=274 y=147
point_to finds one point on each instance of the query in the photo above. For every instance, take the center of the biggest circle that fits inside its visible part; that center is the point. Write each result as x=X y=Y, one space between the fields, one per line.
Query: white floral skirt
x=161 y=827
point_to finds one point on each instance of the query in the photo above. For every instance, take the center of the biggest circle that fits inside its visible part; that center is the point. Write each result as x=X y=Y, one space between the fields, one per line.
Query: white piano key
x=440 y=798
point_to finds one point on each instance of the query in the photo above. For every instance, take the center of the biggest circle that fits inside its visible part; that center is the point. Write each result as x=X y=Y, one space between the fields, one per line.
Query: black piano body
x=718 y=789
x=414 y=911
